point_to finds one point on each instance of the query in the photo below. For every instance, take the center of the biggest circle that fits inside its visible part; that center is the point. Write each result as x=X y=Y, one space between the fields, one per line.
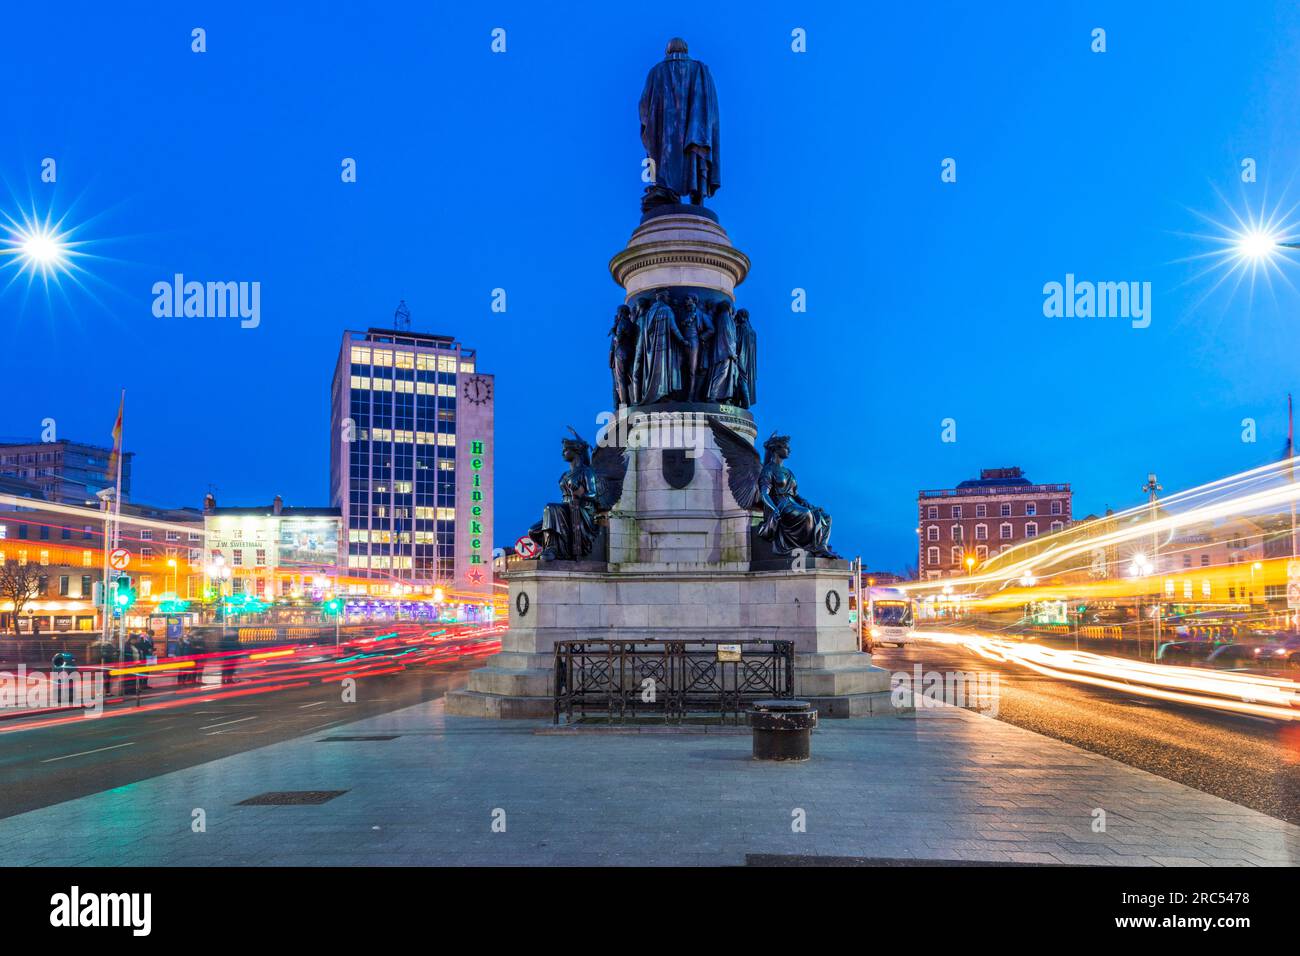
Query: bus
x=890 y=616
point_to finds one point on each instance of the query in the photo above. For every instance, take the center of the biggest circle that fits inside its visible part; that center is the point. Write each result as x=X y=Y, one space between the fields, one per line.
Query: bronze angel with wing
x=592 y=485
x=790 y=522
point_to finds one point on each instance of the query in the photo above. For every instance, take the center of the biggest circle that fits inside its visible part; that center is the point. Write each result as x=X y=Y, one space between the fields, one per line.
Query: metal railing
x=622 y=680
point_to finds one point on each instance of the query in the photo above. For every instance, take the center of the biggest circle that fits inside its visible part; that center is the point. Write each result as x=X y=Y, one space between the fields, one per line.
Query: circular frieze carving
x=833 y=601
x=521 y=603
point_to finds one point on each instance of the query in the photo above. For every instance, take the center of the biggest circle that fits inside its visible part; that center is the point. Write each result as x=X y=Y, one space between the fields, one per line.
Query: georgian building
x=984 y=516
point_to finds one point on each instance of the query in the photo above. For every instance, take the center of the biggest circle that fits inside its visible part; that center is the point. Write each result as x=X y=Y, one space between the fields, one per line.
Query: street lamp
x=1140 y=568
x=970 y=565
x=219 y=571
x=1260 y=243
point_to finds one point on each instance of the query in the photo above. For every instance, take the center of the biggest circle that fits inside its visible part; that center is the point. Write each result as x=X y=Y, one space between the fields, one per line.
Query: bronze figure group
x=659 y=353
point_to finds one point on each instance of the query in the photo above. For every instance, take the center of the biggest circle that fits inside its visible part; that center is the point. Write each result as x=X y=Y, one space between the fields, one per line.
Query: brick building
x=983 y=516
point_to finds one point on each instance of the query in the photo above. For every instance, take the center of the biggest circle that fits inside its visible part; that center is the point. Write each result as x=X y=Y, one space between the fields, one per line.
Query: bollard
x=782 y=729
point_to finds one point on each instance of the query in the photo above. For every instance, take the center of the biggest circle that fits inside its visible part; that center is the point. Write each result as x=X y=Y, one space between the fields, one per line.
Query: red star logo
x=475 y=576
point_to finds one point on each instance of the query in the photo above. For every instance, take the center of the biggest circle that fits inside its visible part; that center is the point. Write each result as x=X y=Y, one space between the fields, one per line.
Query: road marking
x=85 y=752
x=319 y=703
x=226 y=723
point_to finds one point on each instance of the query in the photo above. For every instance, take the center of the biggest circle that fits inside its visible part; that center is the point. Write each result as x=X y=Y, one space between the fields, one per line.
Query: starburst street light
x=1249 y=248
x=38 y=247
x=1257 y=244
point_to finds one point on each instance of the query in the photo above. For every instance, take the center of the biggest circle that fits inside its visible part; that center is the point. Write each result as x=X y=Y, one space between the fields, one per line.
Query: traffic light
x=123 y=594
x=333 y=606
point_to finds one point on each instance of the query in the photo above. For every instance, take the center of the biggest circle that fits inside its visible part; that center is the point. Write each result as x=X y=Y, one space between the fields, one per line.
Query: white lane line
x=319 y=703
x=84 y=752
x=227 y=723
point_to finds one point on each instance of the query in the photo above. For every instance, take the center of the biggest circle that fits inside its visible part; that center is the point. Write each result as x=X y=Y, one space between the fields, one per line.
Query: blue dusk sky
x=521 y=171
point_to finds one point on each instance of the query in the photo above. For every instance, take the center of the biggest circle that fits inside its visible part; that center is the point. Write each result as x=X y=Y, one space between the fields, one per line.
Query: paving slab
x=451 y=791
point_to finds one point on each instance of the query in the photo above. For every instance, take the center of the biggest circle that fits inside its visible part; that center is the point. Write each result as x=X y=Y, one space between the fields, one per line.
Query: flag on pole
x=111 y=472
x=1288 y=450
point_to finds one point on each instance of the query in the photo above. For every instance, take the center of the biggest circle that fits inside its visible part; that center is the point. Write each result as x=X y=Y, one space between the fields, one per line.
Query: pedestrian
x=199 y=650
x=148 y=654
x=131 y=657
x=61 y=673
x=229 y=647
x=184 y=648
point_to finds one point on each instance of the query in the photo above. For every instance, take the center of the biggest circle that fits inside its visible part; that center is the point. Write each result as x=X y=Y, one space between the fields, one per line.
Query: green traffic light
x=123 y=595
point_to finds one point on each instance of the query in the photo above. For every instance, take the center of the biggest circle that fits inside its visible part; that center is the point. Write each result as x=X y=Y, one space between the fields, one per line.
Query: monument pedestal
x=678 y=558
x=808 y=607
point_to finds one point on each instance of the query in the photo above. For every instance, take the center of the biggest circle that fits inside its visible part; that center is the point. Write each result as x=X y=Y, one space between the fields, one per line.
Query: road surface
x=1249 y=761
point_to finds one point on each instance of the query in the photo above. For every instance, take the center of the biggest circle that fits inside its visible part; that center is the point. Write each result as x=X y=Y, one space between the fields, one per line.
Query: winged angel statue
x=789 y=521
x=592 y=485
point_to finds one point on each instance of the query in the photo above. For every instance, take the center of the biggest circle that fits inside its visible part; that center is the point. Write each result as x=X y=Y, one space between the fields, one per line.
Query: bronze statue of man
x=722 y=363
x=658 y=365
x=679 y=129
x=691 y=333
x=622 y=352
x=747 y=361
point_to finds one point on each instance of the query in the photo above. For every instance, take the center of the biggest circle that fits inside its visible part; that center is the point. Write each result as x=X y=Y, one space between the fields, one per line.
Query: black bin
x=782 y=729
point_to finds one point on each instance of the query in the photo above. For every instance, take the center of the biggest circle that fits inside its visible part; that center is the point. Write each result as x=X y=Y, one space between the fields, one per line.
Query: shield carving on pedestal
x=678 y=469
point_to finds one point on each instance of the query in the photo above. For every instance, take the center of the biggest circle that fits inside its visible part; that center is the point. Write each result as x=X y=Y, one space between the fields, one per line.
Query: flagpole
x=117 y=496
x=117 y=509
x=1290 y=447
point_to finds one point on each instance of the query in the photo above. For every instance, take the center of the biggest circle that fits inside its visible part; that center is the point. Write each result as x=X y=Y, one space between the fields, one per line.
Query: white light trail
x=1250 y=694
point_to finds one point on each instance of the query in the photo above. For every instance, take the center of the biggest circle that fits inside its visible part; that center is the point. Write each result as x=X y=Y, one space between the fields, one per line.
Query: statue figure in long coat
x=722 y=364
x=747 y=381
x=658 y=366
x=622 y=352
x=692 y=333
x=679 y=128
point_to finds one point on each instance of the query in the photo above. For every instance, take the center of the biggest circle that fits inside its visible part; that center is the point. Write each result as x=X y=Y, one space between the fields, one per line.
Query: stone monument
x=674 y=526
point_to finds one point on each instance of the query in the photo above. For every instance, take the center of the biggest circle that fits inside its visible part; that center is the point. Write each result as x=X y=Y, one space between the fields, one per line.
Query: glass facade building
x=411 y=450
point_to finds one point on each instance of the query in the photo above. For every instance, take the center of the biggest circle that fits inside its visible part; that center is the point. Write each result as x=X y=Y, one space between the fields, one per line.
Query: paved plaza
x=431 y=789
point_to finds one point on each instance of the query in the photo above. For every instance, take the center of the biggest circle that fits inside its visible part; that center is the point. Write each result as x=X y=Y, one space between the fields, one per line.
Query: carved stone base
x=764 y=558
x=809 y=608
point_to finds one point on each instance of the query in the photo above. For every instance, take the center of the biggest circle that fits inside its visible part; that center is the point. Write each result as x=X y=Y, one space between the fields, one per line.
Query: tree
x=19 y=583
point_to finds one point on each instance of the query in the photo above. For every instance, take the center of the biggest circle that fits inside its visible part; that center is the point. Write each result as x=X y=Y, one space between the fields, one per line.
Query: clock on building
x=478 y=390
